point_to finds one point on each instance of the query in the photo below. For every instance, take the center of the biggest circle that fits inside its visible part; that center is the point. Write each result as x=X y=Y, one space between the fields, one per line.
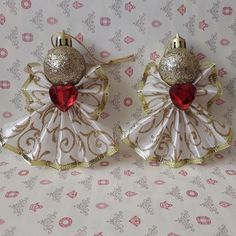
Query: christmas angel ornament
x=179 y=127
x=65 y=99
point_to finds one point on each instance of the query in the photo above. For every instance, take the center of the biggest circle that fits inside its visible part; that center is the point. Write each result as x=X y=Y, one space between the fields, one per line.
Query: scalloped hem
x=179 y=163
x=58 y=166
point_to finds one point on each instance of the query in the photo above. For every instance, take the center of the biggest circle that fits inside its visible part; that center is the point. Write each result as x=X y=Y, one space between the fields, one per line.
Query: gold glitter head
x=63 y=63
x=178 y=65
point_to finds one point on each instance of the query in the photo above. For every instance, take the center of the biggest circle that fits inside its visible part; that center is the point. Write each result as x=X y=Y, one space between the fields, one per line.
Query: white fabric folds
x=173 y=136
x=48 y=136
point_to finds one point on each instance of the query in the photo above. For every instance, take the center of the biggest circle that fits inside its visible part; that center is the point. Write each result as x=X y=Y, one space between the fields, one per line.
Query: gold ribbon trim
x=58 y=166
x=179 y=163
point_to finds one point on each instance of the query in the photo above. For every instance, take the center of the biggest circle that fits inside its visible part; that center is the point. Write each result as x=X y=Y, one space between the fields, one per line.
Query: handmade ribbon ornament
x=178 y=128
x=64 y=100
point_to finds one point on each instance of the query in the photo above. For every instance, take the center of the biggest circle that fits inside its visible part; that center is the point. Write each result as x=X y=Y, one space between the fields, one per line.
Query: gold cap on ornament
x=63 y=39
x=178 y=42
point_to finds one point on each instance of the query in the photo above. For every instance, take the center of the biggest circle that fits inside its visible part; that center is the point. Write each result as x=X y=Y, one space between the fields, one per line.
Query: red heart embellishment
x=63 y=96
x=182 y=95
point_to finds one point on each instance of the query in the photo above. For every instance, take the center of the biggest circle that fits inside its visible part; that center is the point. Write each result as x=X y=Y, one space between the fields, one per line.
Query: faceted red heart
x=63 y=96
x=182 y=95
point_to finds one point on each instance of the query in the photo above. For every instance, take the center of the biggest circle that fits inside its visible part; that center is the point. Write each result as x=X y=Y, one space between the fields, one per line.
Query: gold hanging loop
x=94 y=59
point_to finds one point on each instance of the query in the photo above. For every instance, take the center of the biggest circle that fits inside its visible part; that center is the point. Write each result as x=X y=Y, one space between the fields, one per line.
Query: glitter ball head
x=64 y=65
x=178 y=66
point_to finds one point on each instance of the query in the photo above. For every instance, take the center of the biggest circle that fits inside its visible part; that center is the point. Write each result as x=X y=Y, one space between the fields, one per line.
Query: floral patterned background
x=122 y=195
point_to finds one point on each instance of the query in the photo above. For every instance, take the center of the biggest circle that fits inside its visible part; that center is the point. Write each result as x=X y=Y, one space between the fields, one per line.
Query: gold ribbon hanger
x=128 y=58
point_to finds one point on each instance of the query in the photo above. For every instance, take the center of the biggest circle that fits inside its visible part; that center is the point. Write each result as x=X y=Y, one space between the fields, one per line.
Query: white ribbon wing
x=173 y=136
x=62 y=140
